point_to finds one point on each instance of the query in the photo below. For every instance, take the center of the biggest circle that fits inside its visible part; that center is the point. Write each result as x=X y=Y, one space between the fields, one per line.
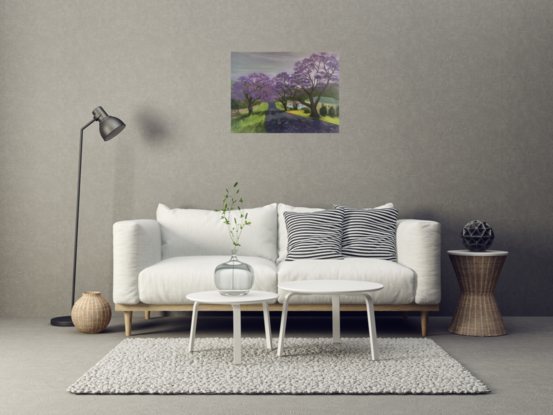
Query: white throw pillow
x=283 y=233
x=191 y=232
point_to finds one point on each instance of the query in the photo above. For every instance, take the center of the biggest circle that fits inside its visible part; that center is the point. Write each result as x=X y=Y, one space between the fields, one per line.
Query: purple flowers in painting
x=254 y=87
x=312 y=75
x=285 y=92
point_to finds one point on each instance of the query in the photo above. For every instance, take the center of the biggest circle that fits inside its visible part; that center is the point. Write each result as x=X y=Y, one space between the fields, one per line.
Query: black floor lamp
x=109 y=128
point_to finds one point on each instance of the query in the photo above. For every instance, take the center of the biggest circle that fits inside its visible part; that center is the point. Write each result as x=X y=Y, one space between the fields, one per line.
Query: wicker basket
x=91 y=313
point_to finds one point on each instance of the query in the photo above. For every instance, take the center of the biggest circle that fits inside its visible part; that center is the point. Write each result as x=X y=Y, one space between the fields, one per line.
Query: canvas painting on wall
x=285 y=92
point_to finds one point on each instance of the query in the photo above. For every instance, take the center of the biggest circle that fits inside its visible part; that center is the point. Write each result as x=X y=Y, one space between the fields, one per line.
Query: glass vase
x=234 y=277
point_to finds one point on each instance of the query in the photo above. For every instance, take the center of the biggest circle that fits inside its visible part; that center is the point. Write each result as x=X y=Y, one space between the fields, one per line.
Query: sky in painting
x=270 y=63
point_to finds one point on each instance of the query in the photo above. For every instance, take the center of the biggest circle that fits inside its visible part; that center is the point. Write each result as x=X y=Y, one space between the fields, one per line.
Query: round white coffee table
x=213 y=297
x=334 y=288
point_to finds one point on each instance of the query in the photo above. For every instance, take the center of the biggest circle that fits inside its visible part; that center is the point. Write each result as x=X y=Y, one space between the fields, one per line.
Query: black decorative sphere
x=477 y=236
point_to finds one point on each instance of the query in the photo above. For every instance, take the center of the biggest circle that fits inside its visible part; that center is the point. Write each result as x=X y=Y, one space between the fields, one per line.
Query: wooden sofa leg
x=424 y=322
x=128 y=323
x=405 y=315
x=147 y=315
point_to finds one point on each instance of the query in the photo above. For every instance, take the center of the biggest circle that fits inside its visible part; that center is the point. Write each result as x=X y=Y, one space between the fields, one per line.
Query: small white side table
x=213 y=297
x=334 y=288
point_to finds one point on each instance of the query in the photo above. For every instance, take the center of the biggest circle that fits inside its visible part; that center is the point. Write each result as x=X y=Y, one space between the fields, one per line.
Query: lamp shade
x=110 y=127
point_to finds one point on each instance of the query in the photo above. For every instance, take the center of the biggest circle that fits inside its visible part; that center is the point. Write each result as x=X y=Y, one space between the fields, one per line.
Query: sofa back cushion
x=283 y=233
x=192 y=232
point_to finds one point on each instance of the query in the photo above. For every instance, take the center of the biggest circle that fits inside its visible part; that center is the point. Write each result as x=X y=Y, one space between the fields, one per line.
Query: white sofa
x=158 y=262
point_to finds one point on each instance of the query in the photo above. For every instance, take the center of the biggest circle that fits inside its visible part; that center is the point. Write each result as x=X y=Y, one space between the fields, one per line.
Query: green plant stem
x=235 y=231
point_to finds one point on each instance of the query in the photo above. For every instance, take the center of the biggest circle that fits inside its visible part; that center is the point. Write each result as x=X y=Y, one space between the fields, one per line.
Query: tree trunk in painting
x=313 y=107
x=250 y=101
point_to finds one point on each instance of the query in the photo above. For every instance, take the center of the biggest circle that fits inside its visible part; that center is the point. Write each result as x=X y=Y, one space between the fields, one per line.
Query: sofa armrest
x=418 y=247
x=136 y=246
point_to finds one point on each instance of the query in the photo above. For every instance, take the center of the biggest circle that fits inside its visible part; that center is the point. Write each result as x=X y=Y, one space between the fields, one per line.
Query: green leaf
x=235 y=184
x=234 y=220
x=246 y=216
x=237 y=190
x=241 y=201
x=226 y=190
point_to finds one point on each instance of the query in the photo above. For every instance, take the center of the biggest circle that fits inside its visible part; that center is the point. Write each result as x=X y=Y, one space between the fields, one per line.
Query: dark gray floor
x=38 y=362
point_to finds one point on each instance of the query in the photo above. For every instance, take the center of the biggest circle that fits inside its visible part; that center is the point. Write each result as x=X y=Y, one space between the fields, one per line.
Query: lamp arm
x=77 y=213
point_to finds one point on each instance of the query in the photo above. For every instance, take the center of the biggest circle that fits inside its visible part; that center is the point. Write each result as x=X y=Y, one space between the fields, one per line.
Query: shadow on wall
x=423 y=214
x=124 y=179
x=151 y=126
x=147 y=126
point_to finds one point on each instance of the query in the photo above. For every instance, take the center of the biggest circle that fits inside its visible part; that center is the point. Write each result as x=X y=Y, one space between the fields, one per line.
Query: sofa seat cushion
x=171 y=280
x=399 y=281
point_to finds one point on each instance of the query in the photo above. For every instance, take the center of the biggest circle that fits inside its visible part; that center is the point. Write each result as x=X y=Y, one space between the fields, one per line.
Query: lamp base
x=62 y=321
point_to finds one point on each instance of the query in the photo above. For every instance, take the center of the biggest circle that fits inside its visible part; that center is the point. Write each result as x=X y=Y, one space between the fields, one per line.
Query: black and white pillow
x=369 y=233
x=314 y=235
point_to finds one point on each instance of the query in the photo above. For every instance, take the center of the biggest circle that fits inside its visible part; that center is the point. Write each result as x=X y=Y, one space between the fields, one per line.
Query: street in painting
x=284 y=92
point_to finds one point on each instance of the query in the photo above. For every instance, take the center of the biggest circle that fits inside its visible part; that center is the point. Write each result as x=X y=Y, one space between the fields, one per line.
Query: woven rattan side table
x=477 y=313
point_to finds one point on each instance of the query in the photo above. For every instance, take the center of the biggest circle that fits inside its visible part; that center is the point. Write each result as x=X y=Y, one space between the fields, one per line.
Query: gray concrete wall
x=446 y=111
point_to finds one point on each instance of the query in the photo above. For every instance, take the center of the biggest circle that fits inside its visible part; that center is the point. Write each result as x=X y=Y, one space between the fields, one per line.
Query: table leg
x=267 y=319
x=372 y=325
x=283 y=323
x=193 y=327
x=237 y=334
x=336 y=319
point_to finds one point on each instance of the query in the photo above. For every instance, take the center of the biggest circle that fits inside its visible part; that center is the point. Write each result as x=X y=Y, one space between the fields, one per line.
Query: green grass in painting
x=254 y=123
x=330 y=120
x=280 y=106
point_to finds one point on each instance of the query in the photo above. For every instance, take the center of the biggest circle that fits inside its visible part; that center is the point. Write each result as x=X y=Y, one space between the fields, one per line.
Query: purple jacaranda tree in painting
x=312 y=75
x=255 y=86
x=285 y=88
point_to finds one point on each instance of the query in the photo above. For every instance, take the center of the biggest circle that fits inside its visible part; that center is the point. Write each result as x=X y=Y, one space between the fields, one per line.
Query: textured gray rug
x=311 y=366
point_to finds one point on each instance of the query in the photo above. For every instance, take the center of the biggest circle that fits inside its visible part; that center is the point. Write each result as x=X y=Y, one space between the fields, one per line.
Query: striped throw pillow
x=369 y=233
x=314 y=235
